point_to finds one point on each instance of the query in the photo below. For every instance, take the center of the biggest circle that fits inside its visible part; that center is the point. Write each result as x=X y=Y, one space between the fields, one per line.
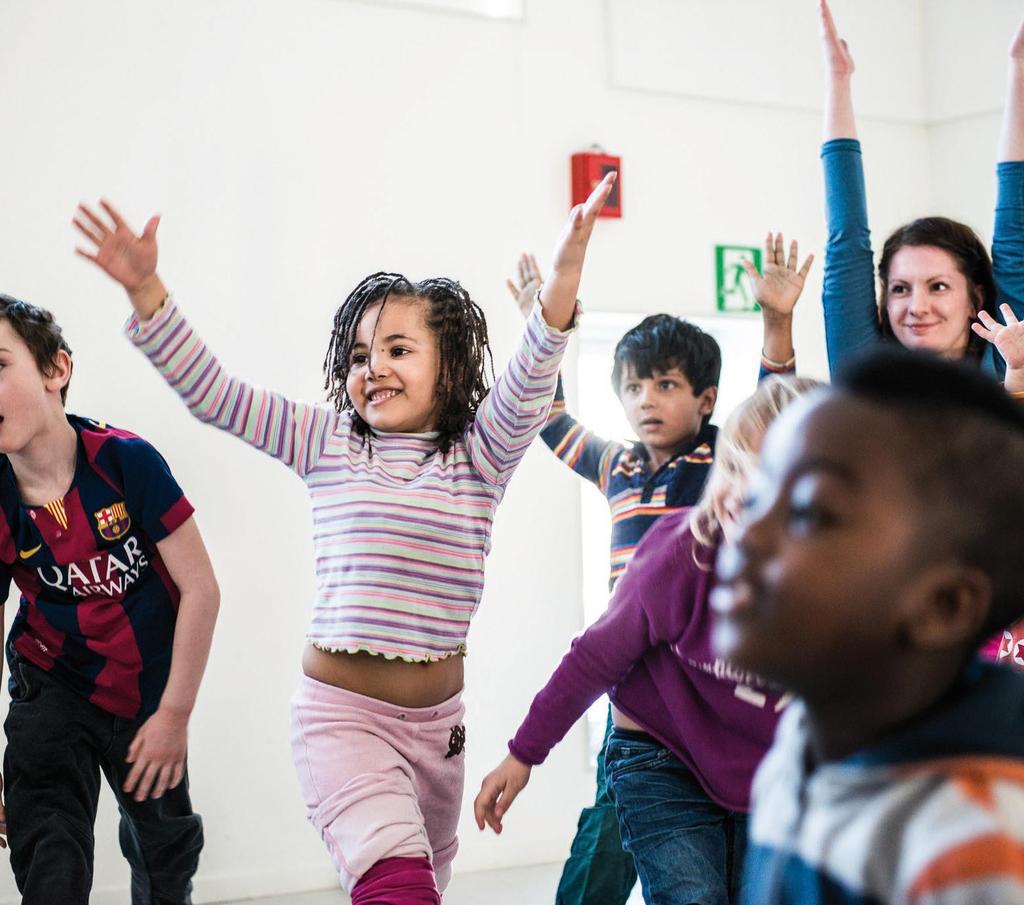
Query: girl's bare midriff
x=395 y=681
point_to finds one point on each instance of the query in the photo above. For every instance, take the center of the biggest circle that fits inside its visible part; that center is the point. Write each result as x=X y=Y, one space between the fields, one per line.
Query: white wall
x=293 y=147
x=965 y=104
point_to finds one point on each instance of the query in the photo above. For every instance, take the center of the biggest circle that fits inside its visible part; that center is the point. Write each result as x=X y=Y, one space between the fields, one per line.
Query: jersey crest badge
x=113 y=521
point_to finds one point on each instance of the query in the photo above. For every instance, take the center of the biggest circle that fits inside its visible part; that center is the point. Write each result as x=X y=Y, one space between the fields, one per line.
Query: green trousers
x=598 y=871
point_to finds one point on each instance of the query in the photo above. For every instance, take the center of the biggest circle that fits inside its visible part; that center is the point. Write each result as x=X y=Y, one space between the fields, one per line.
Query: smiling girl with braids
x=405 y=471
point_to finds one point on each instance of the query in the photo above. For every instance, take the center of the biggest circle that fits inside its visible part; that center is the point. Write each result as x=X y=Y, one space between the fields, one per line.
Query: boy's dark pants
x=598 y=871
x=57 y=744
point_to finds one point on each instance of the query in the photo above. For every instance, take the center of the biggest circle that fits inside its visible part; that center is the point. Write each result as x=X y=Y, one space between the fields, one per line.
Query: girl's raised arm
x=517 y=407
x=558 y=292
x=291 y=432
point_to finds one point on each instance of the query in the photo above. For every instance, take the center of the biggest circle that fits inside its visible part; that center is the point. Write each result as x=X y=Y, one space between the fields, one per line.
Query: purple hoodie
x=651 y=651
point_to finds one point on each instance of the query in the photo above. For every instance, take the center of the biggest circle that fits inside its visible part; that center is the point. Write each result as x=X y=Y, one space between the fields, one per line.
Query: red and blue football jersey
x=98 y=606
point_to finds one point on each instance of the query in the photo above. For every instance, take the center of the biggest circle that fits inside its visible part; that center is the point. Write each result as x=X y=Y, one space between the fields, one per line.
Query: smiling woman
x=937 y=280
x=936 y=276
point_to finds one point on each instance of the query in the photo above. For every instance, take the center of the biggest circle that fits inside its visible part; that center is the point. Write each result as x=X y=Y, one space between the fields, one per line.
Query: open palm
x=525 y=284
x=1008 y=339
x=778 y=288
x=113 y=245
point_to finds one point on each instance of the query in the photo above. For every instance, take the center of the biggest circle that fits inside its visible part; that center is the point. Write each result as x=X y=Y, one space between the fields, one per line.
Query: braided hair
x=463 y=347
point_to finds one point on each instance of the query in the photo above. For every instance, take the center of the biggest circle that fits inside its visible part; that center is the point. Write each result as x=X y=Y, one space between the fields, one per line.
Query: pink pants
x=379 y=781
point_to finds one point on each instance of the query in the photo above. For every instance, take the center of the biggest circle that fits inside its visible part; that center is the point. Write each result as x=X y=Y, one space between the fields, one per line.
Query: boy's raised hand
x=498 y=790
x=558 y=294
x=778 y=289
x=157 y=755
x=838 y=60
x=525 y=284
x=1008 y=340
x=130 y=259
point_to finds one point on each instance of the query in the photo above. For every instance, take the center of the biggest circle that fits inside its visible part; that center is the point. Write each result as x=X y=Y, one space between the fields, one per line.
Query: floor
x=518 y=886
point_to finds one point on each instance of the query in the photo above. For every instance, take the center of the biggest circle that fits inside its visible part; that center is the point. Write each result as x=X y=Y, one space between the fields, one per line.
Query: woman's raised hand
x=1008 y=340
x=838 y=59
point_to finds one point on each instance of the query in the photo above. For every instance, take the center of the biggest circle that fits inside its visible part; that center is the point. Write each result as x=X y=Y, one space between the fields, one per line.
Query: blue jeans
x=688 y=849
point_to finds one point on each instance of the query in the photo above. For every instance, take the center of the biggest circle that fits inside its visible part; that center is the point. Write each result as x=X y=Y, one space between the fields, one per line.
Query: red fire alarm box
x=588 y=169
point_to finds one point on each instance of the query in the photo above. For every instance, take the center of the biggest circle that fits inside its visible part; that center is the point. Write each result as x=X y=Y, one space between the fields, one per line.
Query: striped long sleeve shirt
x=400 y=530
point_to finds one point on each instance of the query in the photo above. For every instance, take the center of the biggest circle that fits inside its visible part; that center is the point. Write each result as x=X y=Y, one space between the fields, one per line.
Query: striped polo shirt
x=637 y=494
x=400 y=530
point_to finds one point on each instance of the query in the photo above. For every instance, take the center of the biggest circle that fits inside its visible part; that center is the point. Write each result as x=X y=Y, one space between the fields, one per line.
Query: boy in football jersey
x=110 y=640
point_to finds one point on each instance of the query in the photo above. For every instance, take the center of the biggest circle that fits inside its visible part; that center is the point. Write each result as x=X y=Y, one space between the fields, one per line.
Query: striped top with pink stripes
x=400 y=530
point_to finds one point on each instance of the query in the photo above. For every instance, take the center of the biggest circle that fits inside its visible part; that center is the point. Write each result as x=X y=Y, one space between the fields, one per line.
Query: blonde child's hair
x=738 y=447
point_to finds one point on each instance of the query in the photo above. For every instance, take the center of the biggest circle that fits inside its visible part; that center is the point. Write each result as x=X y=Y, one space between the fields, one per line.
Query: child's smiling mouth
x=379 y=397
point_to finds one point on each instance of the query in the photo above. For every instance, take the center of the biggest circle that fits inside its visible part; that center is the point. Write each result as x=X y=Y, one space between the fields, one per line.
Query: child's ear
x=952 y=605
x=707 y=401
x=60 y=372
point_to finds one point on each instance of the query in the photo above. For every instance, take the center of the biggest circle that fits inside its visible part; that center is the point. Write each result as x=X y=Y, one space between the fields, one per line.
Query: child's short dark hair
x=463 y=347
x=963 y=449
x=39 y=331
x=662 y=342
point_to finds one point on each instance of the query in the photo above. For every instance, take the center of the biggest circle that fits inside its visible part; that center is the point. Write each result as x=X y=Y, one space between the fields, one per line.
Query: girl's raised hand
x=130 y=259
x=1017 y=45
x=572 y=246
x=778 y=288
x=838 y=60
x=1009 y=340
x=114 y=246
x=525 y=284
x=498 y=790
x=558 y=294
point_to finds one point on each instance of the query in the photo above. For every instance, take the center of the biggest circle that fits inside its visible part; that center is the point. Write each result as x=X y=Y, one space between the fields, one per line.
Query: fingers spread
x=94 y=235
x=100 y=227
x=113 y=214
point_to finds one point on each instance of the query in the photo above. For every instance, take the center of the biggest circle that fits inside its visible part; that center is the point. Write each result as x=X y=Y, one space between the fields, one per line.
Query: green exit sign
x=734 y=292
